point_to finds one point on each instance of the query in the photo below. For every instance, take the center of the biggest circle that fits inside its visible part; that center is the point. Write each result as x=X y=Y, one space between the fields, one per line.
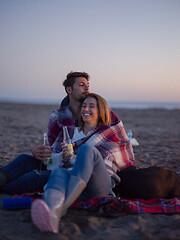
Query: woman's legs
x=90 y=167
x=60 y=192
x=64 y=187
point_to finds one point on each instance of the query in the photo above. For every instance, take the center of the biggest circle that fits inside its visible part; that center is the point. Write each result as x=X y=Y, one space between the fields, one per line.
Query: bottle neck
x=66 y=137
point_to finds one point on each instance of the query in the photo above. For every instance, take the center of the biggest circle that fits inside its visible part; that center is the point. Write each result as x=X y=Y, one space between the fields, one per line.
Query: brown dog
x=146 y=183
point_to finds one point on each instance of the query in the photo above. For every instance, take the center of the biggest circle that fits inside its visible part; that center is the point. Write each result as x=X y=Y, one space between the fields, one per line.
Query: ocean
x=144 y=105
x=112 y=104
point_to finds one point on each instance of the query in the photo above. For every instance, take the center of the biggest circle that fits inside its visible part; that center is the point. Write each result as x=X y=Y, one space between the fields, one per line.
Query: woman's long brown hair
x=103 y=111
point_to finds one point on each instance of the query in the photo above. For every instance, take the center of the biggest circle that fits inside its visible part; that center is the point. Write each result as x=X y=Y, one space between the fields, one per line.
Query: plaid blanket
x=114 y=146
x=107 y=206
x=63 y=117
x=114 y=207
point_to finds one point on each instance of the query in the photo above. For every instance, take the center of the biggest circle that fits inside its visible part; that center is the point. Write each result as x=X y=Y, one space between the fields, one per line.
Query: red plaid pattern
x=114 y=146
x=113 y=207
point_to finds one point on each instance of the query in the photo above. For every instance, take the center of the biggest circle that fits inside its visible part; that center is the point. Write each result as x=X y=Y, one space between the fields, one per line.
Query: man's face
x=80 y=88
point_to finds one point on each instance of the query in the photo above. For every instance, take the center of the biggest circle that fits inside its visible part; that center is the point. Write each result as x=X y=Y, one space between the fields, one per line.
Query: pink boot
x=46 y=213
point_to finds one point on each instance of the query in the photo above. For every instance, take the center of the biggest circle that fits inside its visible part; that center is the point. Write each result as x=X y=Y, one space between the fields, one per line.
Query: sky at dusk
x=130 y=48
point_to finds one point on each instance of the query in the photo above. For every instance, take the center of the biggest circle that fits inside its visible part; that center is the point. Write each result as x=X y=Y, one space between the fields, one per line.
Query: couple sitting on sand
x=20 y=176
x=102 y=151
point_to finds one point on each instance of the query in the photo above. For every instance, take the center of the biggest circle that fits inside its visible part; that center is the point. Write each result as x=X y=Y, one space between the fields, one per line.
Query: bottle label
x=70 y=149
x=48 y=161
x=70 y=152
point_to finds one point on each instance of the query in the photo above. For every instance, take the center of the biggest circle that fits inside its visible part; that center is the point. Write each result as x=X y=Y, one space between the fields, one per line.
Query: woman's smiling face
x=89 y=111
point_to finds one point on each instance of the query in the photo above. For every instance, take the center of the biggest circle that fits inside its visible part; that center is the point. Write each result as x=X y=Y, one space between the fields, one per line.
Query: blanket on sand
x=114 y=207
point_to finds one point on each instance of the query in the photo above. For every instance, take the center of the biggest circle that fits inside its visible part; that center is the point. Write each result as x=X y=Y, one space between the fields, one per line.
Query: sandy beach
x=158 y=132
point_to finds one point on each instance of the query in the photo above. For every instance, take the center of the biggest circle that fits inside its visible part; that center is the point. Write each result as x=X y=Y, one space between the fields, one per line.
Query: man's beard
x=84 y=95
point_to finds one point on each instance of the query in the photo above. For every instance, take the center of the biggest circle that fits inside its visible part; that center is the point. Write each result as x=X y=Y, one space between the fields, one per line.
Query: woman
x=101 y=153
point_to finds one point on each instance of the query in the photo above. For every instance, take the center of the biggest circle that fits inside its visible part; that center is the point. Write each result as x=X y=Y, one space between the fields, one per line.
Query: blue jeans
x=22 y=177
x=90 y=167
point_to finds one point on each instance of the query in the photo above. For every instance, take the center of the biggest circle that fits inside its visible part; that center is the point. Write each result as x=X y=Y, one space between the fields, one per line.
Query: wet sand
x=158 y=132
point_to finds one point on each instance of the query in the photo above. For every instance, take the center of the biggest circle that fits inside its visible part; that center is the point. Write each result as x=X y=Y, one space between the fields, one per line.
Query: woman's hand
x=42 y=152
x=65 y=149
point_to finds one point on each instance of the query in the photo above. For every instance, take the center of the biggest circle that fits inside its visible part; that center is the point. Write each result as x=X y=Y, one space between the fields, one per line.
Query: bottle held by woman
x=68 y=152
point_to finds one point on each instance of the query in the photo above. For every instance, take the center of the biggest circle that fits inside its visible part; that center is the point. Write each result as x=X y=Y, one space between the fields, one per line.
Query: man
x=77 y=87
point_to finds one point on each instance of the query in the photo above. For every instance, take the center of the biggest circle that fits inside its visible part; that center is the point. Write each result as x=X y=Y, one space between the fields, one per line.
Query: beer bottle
x=46 y=143
x=70 y=152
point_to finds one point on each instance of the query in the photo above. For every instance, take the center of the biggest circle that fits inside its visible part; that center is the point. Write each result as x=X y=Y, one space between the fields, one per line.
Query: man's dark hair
x=70 y=78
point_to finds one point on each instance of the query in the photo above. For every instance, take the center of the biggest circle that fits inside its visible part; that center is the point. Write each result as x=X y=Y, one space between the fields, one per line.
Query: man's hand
x=42 y=152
